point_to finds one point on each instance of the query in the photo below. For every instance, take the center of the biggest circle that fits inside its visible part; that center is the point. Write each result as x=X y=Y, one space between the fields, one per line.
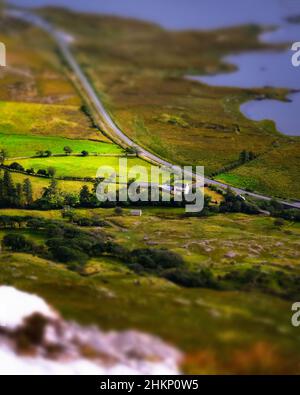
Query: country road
x=63 y=42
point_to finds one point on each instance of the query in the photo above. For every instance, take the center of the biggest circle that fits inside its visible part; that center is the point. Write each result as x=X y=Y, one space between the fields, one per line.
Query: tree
x=16 y=242
x=9 y=190
x=133 y=150
x=16 y=166
x=71 y=199
x=42 y=172
x=51 y=197
x=51 y=171
x=244 y=156
x=27 y=189
x=84 y=196
x=3 y=155
x=68 y=150
x=40 y=153
x=47 y=153
x=19 y=202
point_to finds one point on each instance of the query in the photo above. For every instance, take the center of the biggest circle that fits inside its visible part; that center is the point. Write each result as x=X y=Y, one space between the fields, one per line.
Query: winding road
x=63 y=43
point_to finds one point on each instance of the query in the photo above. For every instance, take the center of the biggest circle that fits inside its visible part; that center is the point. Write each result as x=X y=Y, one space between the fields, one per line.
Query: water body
x=257 y=70
x=185 y=14
x=253 y=69
x=283 y=113
x=264 y=69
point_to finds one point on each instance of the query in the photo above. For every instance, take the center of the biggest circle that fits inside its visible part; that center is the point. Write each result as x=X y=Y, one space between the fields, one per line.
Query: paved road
x=63 y=42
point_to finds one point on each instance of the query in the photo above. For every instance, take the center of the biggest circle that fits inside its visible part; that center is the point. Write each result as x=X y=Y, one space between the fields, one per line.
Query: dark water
x=283 y=113
x=261 y=69
x=256 y=70
x=182 y=14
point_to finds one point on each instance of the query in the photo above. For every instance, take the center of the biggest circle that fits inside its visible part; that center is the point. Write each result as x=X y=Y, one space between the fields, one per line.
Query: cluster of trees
x=234 y=203
x=63 y=242
x=15 y=195
x=279 y=210
x=247 y=156
x=244 y=157
x=47 y=153
x=15 y=166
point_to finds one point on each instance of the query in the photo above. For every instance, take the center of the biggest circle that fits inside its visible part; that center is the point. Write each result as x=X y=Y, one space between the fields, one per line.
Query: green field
x=75 y=166
x=275 y=173
x=29 y=145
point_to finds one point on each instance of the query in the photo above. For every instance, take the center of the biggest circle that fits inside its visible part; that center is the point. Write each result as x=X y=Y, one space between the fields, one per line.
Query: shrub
x=66 y=254
x=202 y=279
x=42 y=172
x=156 y=259
x=17 y=242
x=16 y=166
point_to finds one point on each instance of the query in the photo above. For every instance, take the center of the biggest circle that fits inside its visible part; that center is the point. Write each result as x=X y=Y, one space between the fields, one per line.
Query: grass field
x=276 y=173
x=46 y=120
x=28 y=145
x=211 y=242
x=39 y=183
x=79 y=166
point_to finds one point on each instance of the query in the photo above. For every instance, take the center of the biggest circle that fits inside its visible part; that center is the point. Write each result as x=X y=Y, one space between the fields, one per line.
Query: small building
x=136 y=213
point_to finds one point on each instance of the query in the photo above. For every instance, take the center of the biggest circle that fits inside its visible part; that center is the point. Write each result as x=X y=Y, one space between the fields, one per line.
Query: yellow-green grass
x=208 y=241
x=76 y=166
x=39 y=183
x=275 y=173
x=20 y=145
x=46 y=120
x=213 y=324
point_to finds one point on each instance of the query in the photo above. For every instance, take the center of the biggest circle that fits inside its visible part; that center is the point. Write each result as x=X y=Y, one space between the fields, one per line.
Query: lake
x=185 y=14
x=285 y=114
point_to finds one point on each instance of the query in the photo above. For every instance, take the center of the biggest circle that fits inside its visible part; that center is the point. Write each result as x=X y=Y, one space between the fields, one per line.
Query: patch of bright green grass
x=79 y=166
x=29 y=145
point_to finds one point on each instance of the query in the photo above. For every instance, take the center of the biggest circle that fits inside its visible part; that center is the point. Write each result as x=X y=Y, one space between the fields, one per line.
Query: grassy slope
x=216 y=329
x=188 y=316
x=45 y=120
x=269 y=173
x=36 y=95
